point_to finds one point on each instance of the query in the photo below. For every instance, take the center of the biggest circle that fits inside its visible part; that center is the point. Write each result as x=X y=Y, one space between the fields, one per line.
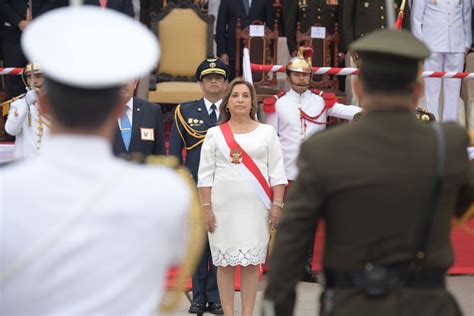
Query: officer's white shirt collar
x=129 y=111
x=208 y=106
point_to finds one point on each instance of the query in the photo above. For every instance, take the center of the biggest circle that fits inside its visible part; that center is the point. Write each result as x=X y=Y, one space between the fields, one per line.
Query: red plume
x=308 y=52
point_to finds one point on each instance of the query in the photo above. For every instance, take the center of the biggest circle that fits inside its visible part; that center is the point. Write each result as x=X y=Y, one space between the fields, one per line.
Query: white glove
x=31 y=97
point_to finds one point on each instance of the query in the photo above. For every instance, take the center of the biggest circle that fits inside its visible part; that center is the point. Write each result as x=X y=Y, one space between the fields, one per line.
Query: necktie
x=126 y=130
x=103 y=3
x=246 y=6
x=213 y=114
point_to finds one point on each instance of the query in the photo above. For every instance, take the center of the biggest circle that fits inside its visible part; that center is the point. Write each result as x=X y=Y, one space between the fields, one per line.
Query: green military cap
x=389 y=52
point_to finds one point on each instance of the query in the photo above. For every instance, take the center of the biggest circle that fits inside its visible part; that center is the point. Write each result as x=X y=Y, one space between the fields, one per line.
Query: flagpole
x=390 y=14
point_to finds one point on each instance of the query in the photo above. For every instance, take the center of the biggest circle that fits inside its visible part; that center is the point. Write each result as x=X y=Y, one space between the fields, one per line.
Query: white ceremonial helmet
x=90 y=47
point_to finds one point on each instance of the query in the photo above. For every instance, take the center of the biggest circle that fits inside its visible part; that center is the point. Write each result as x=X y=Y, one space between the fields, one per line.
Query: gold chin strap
x=196 y=236
x=191 y=131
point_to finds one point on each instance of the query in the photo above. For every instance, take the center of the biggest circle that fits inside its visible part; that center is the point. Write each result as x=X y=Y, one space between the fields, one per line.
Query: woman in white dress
x=241 y=183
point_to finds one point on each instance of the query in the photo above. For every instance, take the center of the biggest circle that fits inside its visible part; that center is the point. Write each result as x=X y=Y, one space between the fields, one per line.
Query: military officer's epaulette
x=6 y=104
x=269 y=103
x=424 y=115
x=196 y=234
x=139 y=158
x=329 y=97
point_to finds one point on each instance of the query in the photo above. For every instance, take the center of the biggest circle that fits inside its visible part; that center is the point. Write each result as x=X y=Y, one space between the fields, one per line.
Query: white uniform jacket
x=444 y=25
x=287 y=122
x=120 y=227
x=28 y=138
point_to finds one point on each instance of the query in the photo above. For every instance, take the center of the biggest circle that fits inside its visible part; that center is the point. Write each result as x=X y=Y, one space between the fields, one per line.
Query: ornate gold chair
x=186 y=39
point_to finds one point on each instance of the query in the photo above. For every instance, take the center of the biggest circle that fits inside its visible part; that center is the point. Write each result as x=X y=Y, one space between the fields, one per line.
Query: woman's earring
x=226 y=109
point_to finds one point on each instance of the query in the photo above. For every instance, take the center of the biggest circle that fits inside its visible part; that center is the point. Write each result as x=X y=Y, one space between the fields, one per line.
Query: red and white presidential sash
x=242 y=162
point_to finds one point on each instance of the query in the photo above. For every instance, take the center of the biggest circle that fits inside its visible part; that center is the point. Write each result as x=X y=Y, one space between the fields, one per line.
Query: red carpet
x=172 y=273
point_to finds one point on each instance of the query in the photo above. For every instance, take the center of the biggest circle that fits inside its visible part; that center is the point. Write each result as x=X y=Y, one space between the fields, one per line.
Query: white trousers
x=450 y=62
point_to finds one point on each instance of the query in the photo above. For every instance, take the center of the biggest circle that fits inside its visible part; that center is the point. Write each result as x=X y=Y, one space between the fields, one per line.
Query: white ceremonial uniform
x=111 y=259
x=291 y=131
x=29 y=139
x=445 y=26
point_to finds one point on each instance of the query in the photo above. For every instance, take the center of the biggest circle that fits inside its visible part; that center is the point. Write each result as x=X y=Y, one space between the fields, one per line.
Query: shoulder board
x=269 y=103
x=329 y=97
x=139 y=158
x=424 y=115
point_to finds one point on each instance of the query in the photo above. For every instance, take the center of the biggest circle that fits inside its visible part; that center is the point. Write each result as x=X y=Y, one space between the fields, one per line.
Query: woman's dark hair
x=224 y=115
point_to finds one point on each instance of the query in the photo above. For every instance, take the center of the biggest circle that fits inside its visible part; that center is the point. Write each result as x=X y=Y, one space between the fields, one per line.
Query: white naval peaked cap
x=90 y=47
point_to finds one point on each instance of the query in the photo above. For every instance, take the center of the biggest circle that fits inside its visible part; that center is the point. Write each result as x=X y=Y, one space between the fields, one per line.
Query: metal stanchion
x=390 y=14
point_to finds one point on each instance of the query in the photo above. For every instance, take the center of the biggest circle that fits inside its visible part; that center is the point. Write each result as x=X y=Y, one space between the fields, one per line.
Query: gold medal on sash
x=235 y=156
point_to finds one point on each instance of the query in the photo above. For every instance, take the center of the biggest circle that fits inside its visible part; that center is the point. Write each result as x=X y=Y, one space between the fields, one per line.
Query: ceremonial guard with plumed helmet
x=25 y=119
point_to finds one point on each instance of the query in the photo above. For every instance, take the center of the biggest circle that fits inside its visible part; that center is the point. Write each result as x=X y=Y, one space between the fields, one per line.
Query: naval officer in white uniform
x=83 y=232
x=445 y=26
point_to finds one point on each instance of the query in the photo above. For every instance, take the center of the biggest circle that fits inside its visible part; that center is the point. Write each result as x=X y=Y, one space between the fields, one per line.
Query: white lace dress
x=241 y=236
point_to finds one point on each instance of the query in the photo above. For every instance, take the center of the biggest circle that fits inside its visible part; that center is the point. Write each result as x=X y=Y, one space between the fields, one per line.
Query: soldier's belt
x=378 y=280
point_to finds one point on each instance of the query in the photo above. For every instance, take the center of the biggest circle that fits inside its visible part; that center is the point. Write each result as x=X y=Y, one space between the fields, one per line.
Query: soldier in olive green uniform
x=308 y=13
x=373 y=183
x=361 y=17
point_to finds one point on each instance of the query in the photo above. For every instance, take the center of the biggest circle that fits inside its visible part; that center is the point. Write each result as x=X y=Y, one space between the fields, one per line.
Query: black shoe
x=197 y=308
x=215 y=308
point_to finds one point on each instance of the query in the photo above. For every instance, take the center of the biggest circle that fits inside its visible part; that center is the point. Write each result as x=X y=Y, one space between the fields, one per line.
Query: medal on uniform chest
x=366 y=4
x=235 y=156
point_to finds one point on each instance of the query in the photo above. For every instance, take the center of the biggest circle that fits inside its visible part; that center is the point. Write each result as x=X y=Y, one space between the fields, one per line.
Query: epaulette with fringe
x=269 y=103
x=5 y=106
x=329 y=97
x=424 y=115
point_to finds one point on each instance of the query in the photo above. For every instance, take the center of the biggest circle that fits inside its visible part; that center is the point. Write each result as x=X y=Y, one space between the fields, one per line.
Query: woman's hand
x=209 y=219
x=275 y=215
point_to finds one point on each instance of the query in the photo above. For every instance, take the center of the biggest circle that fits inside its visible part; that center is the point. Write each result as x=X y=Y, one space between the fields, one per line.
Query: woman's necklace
x=239 y=129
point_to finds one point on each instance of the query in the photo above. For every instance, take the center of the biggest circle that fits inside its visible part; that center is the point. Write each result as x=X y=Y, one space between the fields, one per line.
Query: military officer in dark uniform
x=388 y=243
x=191 y=122
x=360 y=17
x=309 y=13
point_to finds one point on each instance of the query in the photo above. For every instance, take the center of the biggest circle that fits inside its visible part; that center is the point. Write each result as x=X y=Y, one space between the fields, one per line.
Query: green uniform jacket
x=361 y=17
x=317 y=12
x=370 y=181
